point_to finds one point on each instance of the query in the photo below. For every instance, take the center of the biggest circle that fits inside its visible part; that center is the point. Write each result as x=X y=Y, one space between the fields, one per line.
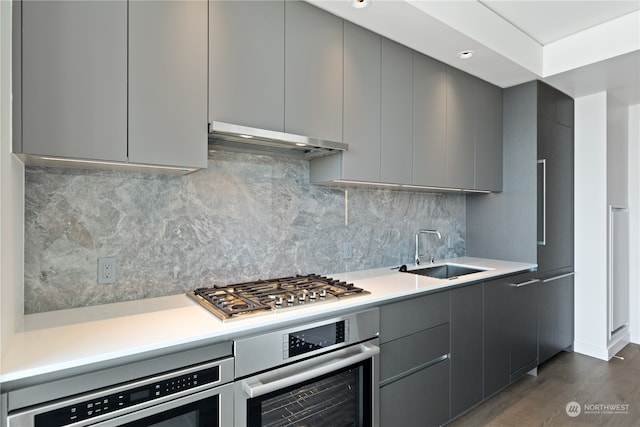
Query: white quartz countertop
x=69 y=339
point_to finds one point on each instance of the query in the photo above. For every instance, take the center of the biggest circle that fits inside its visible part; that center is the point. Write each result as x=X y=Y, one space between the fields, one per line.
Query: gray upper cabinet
x=168 y=82
x=74 y=79
x=115 y=81
x=429 y=121
x=246 y=63
x=396 y=113
x=313 y=72
x=555 y=181
x=362 y=56
x=488 y=133
x=461 y=95
x=361 y=104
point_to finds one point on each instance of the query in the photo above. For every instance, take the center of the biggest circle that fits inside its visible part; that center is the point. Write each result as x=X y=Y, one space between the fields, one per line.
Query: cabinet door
x=74 y=79
x=555 y=147
x=405 y=355
x=488 y=149
x=466 y=348
x=555 y=105
x=429 y=121
x=523 y=326
x=496 y=336
x=420 y=399
x=246 y=63
x=461 y=93
x=555 y=316
x=397 y=112
x=168 y=82
x=409 y=316
x=361 y=104
x=313 y=72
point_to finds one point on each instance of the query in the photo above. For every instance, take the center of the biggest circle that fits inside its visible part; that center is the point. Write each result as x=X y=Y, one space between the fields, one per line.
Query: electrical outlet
x=347 y=253
x=106 y=270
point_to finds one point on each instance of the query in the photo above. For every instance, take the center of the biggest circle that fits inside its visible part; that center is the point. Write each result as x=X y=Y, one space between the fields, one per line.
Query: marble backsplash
x=245 y=217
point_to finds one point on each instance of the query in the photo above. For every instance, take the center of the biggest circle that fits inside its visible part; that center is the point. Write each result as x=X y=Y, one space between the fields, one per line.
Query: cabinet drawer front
x=410 y=316
x=421 y=399
x=411 y=352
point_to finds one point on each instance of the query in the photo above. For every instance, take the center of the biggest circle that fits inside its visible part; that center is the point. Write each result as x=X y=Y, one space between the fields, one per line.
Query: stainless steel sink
x=445 y=271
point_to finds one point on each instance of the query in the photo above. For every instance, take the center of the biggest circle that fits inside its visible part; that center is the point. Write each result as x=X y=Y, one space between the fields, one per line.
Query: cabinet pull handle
x=527 y=283
x=543 y=162
x=562 y=276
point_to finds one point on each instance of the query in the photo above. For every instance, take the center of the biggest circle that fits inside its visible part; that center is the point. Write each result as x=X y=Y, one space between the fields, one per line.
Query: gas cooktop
x=263 y=296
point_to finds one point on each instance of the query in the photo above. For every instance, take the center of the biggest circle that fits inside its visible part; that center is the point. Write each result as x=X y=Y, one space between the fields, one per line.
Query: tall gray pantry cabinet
x=532 y=219
x=111 y=81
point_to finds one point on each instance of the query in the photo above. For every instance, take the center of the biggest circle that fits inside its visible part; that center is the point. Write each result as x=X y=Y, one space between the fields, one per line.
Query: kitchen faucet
x=418 y=233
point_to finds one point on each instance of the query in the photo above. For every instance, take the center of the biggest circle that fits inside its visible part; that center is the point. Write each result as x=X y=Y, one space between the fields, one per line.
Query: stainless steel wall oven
x=198 y=394
x=319 y=374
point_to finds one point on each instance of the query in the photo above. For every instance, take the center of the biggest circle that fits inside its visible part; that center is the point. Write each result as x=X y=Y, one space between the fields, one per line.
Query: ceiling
x=580 y=47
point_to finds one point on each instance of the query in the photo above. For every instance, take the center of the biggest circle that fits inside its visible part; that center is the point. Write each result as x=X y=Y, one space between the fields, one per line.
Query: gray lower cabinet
x=168 y=82
x=74 y=79
x=510 y=330
x=420 y=399
x=246 y=63
x=523 y=324
x=414 y=363
x=396 y=113
x=496 y=363
x=466 y=348
x=313 y=66
x=555 y=316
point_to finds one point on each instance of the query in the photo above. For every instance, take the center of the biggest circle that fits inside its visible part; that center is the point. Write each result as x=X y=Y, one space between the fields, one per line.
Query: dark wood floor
x=568 y=377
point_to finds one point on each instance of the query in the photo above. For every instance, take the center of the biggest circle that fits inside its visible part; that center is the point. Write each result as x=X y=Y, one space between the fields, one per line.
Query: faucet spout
x=418 y=233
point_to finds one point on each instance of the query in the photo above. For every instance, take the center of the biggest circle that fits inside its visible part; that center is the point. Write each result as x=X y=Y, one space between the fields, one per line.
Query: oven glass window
x=334 y=400
x=203 y=413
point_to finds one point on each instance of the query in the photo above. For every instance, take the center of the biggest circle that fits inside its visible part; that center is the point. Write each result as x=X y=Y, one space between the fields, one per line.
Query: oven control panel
x=308 y=340
x=128 y=397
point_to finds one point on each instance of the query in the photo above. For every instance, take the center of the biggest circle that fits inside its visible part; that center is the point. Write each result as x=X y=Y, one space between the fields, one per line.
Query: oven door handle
x=296 y=373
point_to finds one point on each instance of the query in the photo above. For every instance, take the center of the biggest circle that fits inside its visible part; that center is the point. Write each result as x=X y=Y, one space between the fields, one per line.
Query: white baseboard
x=618 y=344
x=591 y=350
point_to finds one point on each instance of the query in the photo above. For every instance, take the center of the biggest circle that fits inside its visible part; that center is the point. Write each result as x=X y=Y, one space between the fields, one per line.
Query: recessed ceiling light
x=466 y=54
x=360 y=4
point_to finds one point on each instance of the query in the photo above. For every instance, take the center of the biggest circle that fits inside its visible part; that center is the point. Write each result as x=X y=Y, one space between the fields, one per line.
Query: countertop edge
x=19 y=362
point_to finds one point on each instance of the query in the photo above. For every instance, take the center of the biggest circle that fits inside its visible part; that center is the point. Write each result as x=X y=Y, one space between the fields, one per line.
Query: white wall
x=11 y=198
x=634 y=222
x=607 y=163
x=591 y=225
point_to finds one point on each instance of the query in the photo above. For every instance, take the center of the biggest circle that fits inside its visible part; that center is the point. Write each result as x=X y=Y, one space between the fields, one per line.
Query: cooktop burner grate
x=260 y=296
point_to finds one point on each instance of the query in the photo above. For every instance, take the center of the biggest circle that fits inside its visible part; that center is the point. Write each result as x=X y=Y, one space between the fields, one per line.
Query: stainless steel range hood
x=230 y=137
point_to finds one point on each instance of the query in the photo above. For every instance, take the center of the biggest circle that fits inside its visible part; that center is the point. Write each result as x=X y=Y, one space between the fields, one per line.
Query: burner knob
x=313 y=295
x=290 y=298
x=302 y=297
x=278 y=301
x=323 y=293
